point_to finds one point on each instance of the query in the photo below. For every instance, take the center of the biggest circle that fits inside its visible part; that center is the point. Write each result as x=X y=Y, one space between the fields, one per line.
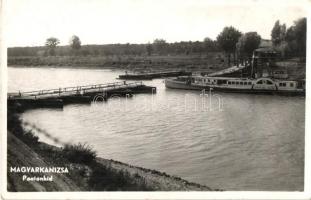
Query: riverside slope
x=20 y=154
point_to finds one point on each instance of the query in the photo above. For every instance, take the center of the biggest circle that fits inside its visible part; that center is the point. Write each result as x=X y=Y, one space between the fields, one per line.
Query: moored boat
x=243 y=85
x=149 y=76
x=261 y=74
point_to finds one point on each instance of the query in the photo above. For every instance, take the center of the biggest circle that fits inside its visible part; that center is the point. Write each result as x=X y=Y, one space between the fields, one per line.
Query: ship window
x=292 y=84
x=249 y=83
x=229 y=83
x=259 y=82
x=269 y=82
x=282 y=84
x=245 y=83
x=241 y=83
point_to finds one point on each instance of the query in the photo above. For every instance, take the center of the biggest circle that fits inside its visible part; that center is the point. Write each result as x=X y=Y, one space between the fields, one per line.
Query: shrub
x=16 y=128
x=105 y=178
x=30 y=138
x=79 y=153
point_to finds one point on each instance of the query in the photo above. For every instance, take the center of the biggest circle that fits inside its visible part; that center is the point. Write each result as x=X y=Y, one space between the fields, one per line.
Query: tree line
x=235 y=44
x=157 y=47
x=290 y=41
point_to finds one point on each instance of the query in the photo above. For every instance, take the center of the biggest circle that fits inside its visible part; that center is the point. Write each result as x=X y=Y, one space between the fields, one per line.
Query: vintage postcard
x=154 y=99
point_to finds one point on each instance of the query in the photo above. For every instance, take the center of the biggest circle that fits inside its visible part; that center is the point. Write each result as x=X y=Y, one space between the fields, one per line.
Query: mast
x=252 y=64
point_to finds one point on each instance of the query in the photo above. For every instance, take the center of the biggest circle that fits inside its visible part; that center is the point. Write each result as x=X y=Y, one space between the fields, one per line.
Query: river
x=238 y=142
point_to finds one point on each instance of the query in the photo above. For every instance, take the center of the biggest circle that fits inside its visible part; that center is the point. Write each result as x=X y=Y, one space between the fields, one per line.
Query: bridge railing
x=76 y=89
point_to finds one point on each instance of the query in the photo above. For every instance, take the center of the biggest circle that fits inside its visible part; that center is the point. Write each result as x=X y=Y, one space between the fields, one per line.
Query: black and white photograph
x=136 y=97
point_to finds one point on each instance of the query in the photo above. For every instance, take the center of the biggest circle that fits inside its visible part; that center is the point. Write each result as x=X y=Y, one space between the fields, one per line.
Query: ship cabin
x=287 y=85
x=280 y=74
x=246 y=83
x=227 y=82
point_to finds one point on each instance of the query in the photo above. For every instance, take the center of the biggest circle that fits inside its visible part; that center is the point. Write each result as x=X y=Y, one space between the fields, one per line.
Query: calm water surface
x=245 y=142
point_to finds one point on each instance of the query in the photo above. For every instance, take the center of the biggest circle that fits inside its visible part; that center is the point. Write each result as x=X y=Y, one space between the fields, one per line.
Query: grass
x=79 y=153
x=109 y=179
x=203 y=62
x=84 y=169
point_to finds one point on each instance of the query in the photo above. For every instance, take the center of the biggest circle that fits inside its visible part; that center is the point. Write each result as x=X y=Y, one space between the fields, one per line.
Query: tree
x=149 y=49
x=209 y=44
x=247 y=43
x=283 y=48
x=300 y=29
x=227 y=40
x=160 y=45
x=75 y=42
x=197 y=47
x=51 y=43
x=275 y=33
x=294 y=41
x=278 y=33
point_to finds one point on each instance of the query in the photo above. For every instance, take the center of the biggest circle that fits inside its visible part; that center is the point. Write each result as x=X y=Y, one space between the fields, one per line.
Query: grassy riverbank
x=86 y=171
x=200 y=62
x=207 y=63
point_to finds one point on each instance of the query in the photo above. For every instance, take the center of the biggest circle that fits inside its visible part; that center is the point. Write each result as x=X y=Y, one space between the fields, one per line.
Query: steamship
x=256 y=77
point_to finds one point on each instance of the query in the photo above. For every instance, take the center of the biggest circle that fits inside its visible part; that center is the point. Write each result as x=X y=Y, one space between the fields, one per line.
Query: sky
x=31 y=22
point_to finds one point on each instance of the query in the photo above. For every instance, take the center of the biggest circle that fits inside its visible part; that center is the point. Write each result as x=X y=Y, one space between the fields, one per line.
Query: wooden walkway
x=74 y=91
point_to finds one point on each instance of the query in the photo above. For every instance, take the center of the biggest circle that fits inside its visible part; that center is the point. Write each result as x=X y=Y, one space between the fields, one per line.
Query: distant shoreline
x=64 y=67
x=195 y=62
x=202 y=63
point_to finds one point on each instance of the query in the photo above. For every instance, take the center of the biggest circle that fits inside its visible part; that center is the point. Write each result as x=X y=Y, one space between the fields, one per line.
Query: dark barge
x=149 y=76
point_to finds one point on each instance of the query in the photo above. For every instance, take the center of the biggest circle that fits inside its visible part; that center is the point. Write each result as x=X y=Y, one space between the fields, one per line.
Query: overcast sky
x=30 y=22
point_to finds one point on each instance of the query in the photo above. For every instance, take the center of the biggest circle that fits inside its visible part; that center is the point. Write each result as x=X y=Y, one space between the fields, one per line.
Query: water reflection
x=254 y=142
